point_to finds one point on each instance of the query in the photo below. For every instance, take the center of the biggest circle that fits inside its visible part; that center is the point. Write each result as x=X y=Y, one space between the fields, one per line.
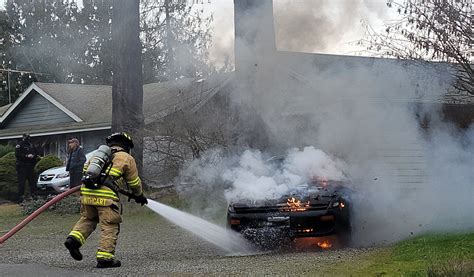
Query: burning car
x=311 y=210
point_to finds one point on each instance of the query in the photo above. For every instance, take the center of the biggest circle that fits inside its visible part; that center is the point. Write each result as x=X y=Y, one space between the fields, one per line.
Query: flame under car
x=308 y=211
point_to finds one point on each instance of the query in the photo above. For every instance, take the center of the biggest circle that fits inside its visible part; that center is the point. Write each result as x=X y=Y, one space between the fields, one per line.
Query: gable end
x=36 y=110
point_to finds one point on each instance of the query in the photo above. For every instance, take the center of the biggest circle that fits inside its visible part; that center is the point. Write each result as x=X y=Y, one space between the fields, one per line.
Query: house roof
x=185 y=94
x=307 y=67
x=91 y=105
x=3 y=109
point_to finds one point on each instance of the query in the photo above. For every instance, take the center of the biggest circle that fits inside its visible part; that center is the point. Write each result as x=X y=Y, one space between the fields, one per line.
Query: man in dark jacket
x=75 y=162
x=26 y=157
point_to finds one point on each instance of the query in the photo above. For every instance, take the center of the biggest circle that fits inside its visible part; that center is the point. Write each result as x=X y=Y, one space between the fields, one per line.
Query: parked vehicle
x=55 y=180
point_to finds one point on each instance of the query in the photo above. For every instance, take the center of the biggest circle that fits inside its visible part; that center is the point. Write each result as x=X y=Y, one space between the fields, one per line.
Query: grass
x=47 y=222
x=432 y=254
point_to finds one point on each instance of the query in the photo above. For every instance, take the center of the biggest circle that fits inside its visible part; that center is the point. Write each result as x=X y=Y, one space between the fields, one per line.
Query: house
x=52 y=112
x=303 y=86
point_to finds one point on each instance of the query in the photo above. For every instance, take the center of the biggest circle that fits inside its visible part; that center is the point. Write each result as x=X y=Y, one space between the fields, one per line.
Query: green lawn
x=432 y=255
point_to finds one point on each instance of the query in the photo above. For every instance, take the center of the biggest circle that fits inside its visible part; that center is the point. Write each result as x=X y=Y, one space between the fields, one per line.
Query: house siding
x=90 y=141
x=404 y=164
x=37 y=110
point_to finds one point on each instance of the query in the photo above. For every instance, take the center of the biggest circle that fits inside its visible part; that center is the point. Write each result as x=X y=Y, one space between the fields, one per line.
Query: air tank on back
x=98 y=162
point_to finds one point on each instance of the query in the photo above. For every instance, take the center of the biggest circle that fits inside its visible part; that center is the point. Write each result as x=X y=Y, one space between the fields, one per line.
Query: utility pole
x=8 y=84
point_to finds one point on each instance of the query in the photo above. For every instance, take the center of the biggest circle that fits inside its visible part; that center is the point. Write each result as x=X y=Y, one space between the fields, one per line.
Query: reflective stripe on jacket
x=124 y=171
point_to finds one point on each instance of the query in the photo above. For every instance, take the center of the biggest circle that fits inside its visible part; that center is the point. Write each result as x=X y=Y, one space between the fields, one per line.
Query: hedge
x=5 y=149
x=8 y=179
x=47 y=162
x=8 y=175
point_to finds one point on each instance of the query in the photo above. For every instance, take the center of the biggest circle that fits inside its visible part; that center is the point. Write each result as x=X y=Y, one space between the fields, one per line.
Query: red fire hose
x=32 y=216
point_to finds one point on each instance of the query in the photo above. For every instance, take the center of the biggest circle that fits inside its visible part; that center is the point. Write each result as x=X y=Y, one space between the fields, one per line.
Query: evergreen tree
x=176 y=38
x=95 y=23
x=5 y=30
x=61 y=42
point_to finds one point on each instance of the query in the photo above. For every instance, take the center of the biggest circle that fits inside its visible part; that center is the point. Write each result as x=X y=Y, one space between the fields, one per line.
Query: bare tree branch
x=430 y=30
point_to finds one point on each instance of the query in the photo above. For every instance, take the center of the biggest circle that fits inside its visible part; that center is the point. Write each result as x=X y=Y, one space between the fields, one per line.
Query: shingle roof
x=307 y=67
x=93 y=103
x=162 y=99
x=3 y=109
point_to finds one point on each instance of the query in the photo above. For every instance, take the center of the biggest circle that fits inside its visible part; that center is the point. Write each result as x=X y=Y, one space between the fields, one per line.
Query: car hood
x=54 y=170
x=312 y=194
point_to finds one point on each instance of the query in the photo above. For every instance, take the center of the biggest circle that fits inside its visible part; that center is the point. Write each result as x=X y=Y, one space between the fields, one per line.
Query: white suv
x=55 y=180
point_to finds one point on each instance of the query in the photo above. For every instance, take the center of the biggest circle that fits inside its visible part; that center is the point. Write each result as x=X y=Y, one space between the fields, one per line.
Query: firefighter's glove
x=141 y=199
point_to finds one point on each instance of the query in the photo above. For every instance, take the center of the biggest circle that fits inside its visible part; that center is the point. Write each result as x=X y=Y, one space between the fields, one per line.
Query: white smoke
x=368 y=113
x=258 y=178
x=407 y=180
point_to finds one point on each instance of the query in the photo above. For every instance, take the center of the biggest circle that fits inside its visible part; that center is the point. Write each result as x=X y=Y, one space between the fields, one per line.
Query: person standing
x=75 y=162
x=26 y=157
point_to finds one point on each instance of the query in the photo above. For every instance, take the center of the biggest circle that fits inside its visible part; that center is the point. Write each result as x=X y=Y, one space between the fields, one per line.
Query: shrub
x=47 y=162
x=68 y=205
x=5 y=149
x=8 y=177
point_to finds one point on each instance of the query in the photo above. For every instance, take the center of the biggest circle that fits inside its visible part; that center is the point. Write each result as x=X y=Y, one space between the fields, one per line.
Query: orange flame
x=324 y=244
x=294 y=205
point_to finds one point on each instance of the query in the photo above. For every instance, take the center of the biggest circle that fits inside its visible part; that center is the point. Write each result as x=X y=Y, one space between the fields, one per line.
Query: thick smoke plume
x=352 y=119
x=257 y=178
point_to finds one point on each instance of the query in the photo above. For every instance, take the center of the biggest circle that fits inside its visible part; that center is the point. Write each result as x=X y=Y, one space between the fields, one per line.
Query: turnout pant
x=109 y=219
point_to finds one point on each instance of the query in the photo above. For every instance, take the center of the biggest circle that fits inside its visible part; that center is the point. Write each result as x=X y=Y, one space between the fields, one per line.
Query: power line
x=23 y=71
x=17 y=71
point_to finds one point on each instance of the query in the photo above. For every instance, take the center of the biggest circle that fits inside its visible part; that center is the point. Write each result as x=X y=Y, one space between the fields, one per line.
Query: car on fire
x=315 y=209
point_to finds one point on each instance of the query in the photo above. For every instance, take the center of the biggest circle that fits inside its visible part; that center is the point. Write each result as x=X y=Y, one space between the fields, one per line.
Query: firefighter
x=101 y=205
x=26 y=157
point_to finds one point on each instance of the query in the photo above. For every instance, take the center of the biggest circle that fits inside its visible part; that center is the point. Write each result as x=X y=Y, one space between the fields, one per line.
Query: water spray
x=227 y=240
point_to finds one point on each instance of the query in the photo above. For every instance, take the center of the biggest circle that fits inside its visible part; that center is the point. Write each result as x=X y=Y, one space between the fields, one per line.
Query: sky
x=324 y=26
x=315 y=26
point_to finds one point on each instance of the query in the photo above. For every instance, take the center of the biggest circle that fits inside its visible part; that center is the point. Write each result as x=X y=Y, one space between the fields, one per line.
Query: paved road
x=148 y=244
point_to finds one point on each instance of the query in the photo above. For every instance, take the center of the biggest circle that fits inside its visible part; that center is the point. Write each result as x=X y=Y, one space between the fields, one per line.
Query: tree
x=42 y=38
x=95 y=25
x=187 y=134
x=176 y=40
x=127 y=84
x=431 y=30
x=62 y=42
x=5 y=30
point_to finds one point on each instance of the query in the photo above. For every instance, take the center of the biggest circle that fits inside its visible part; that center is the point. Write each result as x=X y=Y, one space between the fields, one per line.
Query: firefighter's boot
x=73 y=246
x=108 y=263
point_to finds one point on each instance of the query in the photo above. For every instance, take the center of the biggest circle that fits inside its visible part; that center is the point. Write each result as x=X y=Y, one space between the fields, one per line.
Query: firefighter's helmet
x=122 y=139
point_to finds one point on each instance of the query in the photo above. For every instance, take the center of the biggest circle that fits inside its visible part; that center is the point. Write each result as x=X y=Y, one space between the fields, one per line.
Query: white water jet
x=227 y=240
